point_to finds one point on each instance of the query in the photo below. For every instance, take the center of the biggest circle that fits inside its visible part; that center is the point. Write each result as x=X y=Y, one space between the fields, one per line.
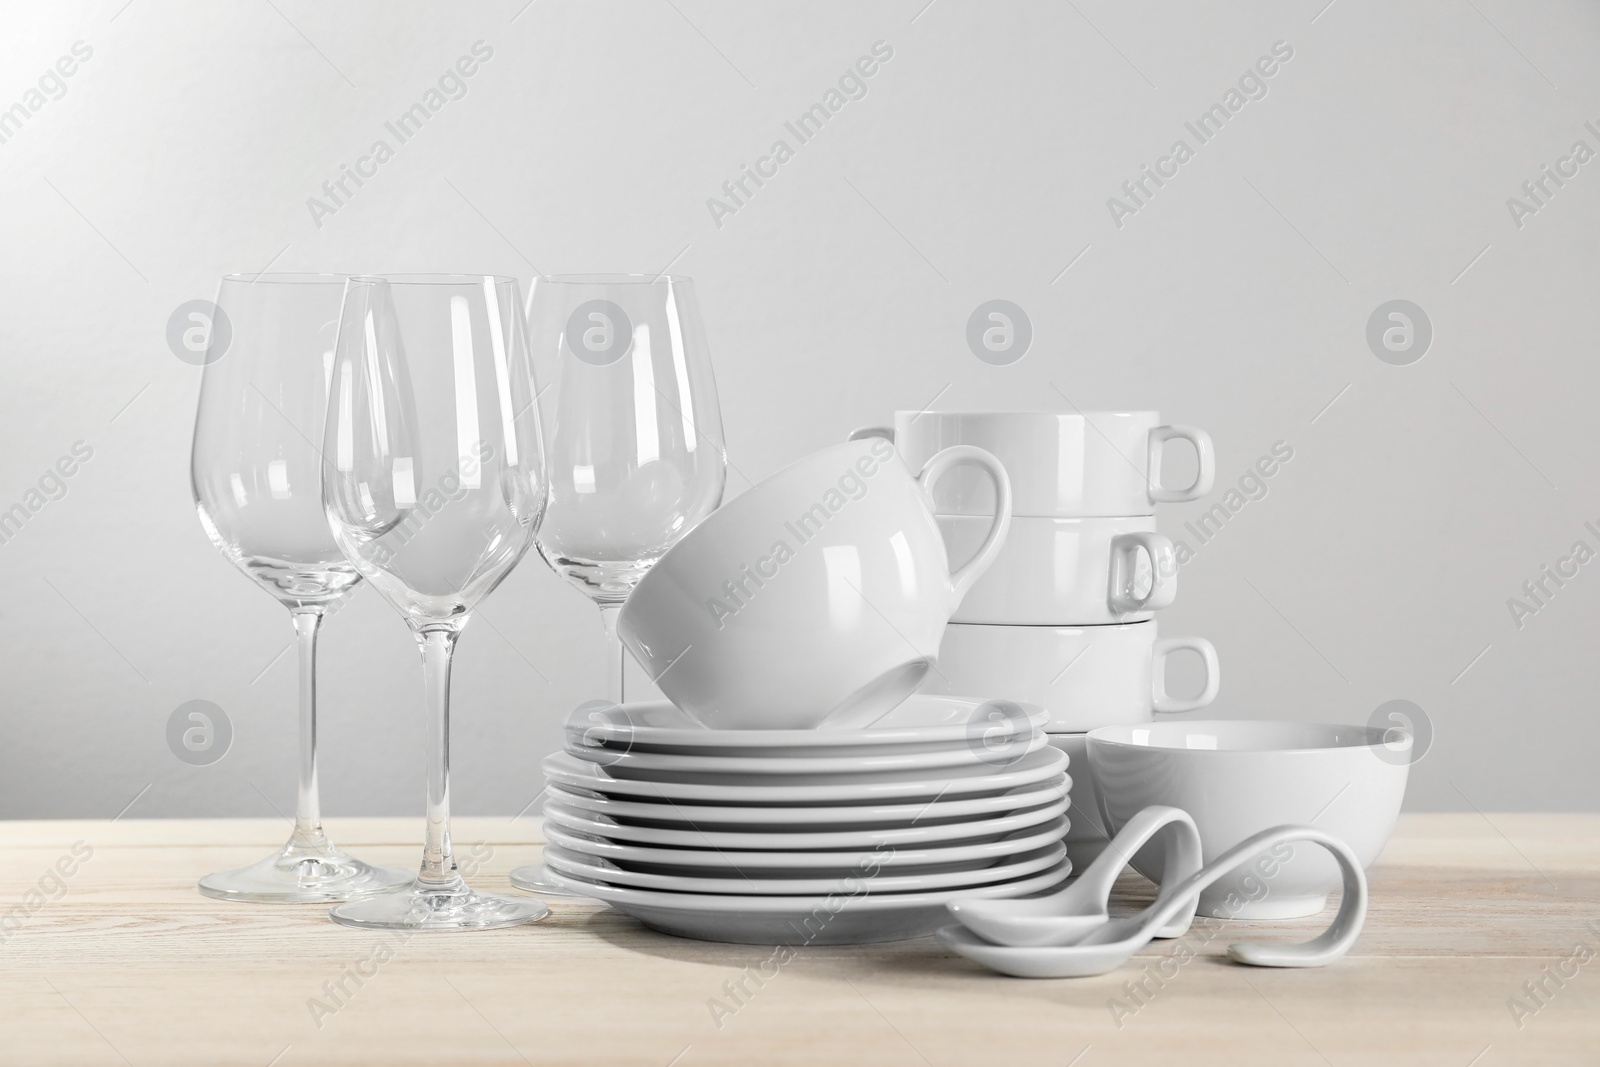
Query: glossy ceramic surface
x=1084 y=676
x=961 y=762
x=1237 y=778
x=772 y=839
x=857 y=917
x=737 y=818
x=795 y=862
x=815 y=598
x=1039 y=766
x=1066 y=572
x=1103 y=947
x=880 y=879
x=1062 y=465
x=922 y=723
x=1086 y=837
x=1073 y=912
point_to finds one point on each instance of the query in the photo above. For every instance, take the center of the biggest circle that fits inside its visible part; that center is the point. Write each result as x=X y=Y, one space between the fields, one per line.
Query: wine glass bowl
x=434 y=516
x=633 y=432
x=254 y=471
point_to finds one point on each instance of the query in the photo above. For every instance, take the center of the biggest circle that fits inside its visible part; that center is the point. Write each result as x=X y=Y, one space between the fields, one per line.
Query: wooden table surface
x=124 y=963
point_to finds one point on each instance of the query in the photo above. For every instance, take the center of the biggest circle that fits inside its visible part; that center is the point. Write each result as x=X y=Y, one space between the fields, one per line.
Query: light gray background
x=977 y=167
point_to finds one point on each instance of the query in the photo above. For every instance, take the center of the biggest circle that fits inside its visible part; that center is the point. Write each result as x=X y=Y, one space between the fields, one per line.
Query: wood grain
x=130 y=965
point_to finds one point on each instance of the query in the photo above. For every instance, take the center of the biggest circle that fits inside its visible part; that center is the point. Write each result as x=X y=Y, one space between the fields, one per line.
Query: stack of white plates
x=806 y=836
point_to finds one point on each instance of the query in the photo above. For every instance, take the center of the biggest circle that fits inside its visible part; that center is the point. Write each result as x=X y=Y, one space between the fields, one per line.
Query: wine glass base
x=531 y=879
x=452 y=907
x=300 y=875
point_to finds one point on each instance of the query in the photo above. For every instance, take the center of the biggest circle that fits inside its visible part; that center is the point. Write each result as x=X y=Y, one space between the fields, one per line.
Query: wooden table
x=130 y=965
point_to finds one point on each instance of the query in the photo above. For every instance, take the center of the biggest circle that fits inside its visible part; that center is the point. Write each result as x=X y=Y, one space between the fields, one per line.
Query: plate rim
x=592 y=776
x=1055 y=808
x=788 y=766
x=778 y=905
x=1047 y=857
x=681 y=737
x=711 y=814
x=842 y=858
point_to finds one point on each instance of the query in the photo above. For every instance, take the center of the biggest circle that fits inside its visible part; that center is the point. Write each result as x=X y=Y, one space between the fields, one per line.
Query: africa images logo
x=1252 y=85
x=852 y=85
x=741 y=589
x=452 y=85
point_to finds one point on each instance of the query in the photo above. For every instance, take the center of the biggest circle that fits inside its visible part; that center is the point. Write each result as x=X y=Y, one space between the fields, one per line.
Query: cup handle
x=865 y=432
x=1204 y=452
x=1160 y=700
x=1124 y=570
x=954 y=456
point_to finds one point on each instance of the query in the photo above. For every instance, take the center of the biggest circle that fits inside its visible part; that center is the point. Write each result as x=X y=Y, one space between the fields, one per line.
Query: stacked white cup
x=1065 y=615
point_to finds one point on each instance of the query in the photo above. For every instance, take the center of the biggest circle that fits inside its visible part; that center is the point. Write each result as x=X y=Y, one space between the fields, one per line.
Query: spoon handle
x=1328 y=946
x=1182 y=860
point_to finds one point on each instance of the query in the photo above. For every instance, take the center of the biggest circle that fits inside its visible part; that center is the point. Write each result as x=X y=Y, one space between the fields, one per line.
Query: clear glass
x=433 y=484
x=256 y=477
x=633 y=438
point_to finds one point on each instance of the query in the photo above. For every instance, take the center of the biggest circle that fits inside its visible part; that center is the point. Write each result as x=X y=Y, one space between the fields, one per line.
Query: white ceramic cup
x=1237 y=778
x=816 y=598
x=1092 y=463
x=1084 y=676
x=1066 y=572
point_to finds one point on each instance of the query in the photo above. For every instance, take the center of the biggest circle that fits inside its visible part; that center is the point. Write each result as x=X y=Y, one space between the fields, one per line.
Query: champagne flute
x=255 y=472
x=433 y=483
x=633 y=438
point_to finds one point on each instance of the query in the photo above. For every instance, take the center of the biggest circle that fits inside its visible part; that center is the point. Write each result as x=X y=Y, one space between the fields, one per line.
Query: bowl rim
x=1109 y=735
x=1019 y=415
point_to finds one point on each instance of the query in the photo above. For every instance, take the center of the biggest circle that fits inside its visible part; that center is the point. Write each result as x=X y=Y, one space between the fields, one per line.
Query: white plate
x=690 y=861
x=1038 y=766
x=874 y=816
x=771 y=840
x=799 y=921
x=923 y=721
x=963 y=761
x=605 y=871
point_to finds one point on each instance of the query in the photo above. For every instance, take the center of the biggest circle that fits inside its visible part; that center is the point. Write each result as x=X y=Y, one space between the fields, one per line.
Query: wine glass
x=256 y=476
x=633 y=438
x=433 y=483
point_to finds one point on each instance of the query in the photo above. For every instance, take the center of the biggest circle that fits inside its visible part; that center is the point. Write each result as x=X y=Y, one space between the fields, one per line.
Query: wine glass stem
x=615 y=653
x=438 y=861
x=308 y=810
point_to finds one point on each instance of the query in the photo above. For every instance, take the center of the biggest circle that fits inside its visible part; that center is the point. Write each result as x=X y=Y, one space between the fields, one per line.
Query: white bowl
x=1237 y=778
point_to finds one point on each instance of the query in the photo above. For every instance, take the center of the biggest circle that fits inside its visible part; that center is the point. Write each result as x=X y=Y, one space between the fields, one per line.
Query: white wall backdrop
x=1374 y=164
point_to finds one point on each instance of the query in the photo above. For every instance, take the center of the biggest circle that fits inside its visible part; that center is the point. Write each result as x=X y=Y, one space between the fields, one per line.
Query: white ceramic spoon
x=1113 y=943
x=1064 y=918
